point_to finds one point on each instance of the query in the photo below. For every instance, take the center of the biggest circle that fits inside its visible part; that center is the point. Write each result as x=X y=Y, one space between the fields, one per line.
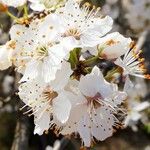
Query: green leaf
x=74 y=57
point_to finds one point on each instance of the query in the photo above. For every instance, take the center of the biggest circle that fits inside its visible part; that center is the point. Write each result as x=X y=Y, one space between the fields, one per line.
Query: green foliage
x=147 y=128
x=74 y=57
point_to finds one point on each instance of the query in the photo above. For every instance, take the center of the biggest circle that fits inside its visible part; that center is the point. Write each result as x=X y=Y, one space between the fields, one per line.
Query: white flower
x=135 y=107
x=36 y=51
x=47 y=100
x=112 y=46
x=81 y=27
x=94 y=113
x=5 y=56
x=132 y=64
x=14 y=3
x=40 y=5
x=138 y=14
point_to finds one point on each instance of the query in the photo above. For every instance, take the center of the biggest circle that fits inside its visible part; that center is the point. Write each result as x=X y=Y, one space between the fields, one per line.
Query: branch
x=21 y=134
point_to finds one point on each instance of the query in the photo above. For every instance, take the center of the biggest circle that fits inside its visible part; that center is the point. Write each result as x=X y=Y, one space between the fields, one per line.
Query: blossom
x=80 y=27
x=96 y=106
x=112 y=46
x=132 y=63
x=5 y=56
x=138 y=14
x=14 y=3
x=47 y=100
x=40 y=5
x=36 y=52
x=135 y=107
x=61 y=84
x=134 y=112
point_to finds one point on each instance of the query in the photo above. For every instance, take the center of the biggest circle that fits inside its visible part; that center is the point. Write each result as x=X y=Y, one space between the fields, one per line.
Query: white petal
x=70 y=43
x=76 y=114
x=89 y=39
x=119 y=97
x=103 y=26
x=4 y=58
x=41 y=124
x=104 y=120
x=94 y=83
x=26 y=92
x=128 y=86
x=62 y=107
x=48 y=30
x=89 y=84
x=31 y=71
x=84 y=131
x=65 y=72
x=37 y=7
x=116 y=49
x=135 y=116
x=14 y=3
x=48 y=70
x=142 y=106
x=57 y=53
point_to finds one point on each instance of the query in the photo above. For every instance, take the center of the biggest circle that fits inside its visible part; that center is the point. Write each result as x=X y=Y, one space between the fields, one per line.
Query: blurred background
x=132 y=19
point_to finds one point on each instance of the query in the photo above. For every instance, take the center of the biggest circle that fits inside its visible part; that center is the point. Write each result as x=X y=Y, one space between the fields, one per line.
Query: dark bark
x=21 y=137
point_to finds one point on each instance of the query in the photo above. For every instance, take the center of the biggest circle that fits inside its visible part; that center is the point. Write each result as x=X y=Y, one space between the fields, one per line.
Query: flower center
x=93 y=102
x=41 y=52
x=73 y=32
x=49 y=94
x=111 y=42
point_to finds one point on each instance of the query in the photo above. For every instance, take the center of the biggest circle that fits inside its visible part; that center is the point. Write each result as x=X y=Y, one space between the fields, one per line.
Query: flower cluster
x=138 y=14
x=37 y=5
x=62 y=56
x=40 y=5
x=136 y=109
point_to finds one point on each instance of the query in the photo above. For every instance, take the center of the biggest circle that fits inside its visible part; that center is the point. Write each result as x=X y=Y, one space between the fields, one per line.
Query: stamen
x=23 y=107
x=92 y=101
x=34 y=112
x=41 y=52
x=49 y=94
x=73 y=32
x=28 y=111
x=134 y=63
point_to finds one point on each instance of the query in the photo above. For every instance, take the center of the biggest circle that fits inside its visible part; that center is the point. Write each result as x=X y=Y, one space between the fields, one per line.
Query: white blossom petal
x=62 y=107
x=14 y=3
